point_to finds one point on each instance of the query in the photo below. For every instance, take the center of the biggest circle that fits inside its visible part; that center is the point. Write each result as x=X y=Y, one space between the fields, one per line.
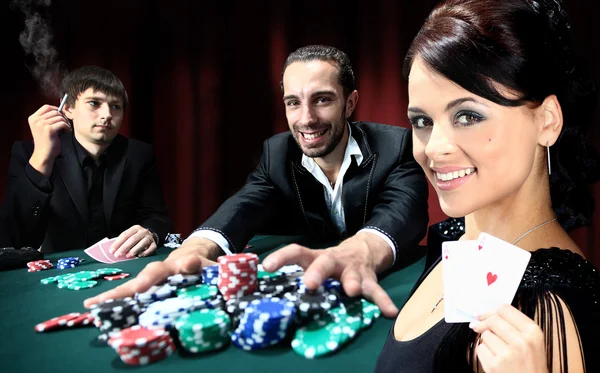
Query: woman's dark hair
x=524 y=45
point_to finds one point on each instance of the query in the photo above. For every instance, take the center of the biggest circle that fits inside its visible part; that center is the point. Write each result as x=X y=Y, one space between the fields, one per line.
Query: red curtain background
x=203 y=78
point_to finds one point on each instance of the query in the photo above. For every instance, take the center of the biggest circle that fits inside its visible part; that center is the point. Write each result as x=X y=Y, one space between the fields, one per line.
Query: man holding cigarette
x=79 y=180
x=326 y=178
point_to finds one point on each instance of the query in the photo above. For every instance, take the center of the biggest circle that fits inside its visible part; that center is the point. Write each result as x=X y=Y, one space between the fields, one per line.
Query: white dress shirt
x=333 y=197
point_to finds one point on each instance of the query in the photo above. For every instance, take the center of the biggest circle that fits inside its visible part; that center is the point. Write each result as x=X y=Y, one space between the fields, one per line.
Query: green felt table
x=24 y=302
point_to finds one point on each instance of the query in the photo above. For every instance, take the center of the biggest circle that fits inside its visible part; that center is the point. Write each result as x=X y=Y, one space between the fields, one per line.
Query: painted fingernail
x=473 y=324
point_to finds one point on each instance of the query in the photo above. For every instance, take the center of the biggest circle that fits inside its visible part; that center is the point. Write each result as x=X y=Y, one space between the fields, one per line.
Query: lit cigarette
x=63 y=102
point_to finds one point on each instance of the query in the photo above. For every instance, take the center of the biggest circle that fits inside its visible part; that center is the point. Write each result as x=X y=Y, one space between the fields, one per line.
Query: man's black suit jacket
x=56 y=219
x=388 y=192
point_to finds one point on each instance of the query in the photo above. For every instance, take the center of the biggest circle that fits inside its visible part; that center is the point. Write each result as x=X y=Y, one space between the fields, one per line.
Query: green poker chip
x=370 y=312
x=264 y=275
x=49 y=280
x=318 y=338
x=201 y=292
x=203 y=330
x=78 y=285
x=108 y=271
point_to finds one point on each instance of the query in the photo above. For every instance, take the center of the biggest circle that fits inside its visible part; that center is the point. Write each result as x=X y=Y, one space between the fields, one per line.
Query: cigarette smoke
x=36 y=41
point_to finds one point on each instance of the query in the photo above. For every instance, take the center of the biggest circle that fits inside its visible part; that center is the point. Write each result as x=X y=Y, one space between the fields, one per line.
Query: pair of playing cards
x=100 y=251
x=480 y=275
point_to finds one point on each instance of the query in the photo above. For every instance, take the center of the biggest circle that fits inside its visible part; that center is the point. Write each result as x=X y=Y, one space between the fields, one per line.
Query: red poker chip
x=37 y=262
x=145 y=360
x=136 y=336
x=120 y=276
x=56 y=322
x=161 y=344
x=238 y=258
x=83 y=319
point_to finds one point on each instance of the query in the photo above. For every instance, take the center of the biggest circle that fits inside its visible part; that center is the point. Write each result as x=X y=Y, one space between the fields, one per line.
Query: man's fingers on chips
x=322 y=267
x=290 y=254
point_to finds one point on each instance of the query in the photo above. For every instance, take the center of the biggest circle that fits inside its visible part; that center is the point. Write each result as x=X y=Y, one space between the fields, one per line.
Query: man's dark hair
x=324 y=53
x=97 y=78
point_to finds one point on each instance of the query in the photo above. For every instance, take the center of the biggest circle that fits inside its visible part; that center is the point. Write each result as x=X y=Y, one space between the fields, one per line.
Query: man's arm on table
x=236 y=221
x=151 y=216
x=400 y=214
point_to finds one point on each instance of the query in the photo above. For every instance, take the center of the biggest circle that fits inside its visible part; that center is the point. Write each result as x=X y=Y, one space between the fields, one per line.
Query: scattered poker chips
x=137 y=345
x=233 y=302
x=39 y=265
x=237 y=275
x=81 y=320
x=56 y=322
x=84 y=279
x=70 y=262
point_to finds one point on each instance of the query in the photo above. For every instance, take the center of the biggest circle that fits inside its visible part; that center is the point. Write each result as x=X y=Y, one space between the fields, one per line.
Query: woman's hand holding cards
x=510 y=342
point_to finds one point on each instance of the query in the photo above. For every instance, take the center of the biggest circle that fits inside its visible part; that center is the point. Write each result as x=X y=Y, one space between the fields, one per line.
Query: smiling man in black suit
x=79 y=180
x=327 y=178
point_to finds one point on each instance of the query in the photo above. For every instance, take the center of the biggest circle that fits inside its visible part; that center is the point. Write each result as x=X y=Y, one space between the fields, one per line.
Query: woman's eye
x=468 y=119
x=420 y=122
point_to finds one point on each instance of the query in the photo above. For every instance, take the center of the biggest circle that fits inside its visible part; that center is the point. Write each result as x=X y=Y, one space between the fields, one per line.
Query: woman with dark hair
x=500 y=113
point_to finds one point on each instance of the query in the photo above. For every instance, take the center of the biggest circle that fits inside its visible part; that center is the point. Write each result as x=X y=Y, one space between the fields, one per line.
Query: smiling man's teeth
x=312 y=136
x=454 y=175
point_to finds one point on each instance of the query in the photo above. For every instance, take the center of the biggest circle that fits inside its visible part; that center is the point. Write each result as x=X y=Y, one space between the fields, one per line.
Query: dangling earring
x=549 y=164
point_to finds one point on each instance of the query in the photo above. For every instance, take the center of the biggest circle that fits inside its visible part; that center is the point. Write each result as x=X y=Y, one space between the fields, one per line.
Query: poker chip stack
x=114 y=315
x=277 y=286
x=265 y=323
x=70 y=262
x=162 y=314
x=237 y=275
x=235 y=307
x=140 y=346
x=39 y=265
x=210 y=275
x=313 y=305
x=326 y=335
x=203 y=330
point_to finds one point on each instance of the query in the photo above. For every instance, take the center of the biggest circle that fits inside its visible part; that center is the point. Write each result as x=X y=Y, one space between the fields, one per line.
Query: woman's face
x=475 y=153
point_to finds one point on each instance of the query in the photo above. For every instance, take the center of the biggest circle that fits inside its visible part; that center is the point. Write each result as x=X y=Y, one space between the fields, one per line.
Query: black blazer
x=56 y=219
x=387 y=192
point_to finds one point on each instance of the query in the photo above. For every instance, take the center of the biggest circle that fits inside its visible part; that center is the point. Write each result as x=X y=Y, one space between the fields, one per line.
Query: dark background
x=203 y=78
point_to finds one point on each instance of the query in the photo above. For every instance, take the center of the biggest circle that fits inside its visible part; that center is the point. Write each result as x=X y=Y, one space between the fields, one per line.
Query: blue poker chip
x=264 y=323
